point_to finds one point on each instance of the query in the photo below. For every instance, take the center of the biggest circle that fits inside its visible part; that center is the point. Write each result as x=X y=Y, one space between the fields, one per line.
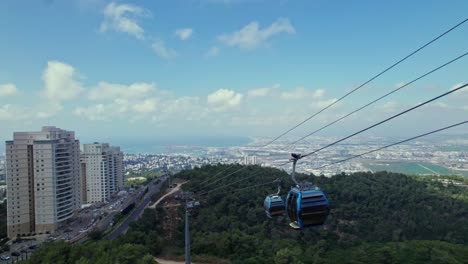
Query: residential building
x=43 y=180
x=102 y=173
x=250 y=160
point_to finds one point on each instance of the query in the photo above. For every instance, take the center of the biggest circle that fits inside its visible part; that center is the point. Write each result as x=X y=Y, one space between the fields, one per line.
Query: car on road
x=33 y=247
x=4 y=257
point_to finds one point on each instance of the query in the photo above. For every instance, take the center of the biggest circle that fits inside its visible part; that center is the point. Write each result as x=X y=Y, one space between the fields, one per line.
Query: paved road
x=154 y=188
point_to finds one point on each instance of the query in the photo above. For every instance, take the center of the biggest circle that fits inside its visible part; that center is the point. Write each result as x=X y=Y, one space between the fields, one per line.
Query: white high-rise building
x=102 y=173
x=250 y=160
x=43 y=180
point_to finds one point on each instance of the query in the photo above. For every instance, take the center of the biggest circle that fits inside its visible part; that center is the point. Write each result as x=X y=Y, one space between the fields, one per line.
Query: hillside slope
x=374 y=208
x=375 y=218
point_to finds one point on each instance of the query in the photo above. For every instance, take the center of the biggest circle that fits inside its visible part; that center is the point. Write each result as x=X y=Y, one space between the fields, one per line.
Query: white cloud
x=400 y=84
x=94 y=113
x=13 y=113
x=182 y=105
x=60 y=82
x=252 y=36
x=459 y=85
x=123 y=18
x=319 y=93
x=119 y=108
x=106 y=91
x=224 y=99
x=300 y=93
x=263 y=92
x=146 y=106
x=184 y=33
x=162 y=51
x=322 y=103
x=389 y=107
x=8 y=89
x=212 y=52
x=47 y=110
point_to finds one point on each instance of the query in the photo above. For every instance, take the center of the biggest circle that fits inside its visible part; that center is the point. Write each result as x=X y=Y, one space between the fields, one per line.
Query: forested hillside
x=375 y=218
x=365 y=208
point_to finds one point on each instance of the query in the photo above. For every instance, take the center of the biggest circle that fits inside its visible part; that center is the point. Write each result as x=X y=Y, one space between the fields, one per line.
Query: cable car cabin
x=274 y=205
x=307 y=208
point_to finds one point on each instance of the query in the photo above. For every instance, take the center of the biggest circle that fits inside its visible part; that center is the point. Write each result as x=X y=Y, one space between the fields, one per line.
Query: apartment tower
x=102 y=173
x=43 y=180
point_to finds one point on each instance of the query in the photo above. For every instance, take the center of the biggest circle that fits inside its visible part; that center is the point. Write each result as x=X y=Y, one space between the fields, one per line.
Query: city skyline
x=114 y=70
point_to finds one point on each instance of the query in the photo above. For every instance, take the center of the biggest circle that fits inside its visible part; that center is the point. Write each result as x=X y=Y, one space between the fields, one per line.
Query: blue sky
x=183 y=68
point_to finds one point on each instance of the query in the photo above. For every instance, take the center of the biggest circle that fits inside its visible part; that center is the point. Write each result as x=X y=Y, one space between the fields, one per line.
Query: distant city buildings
x=43 y=180
x=48 y=178
x=250 y=160
x=2 y=169
x=2 y=193
x=102 y=171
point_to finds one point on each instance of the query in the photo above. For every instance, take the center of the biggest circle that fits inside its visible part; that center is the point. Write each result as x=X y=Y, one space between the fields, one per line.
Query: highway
x=122 y=228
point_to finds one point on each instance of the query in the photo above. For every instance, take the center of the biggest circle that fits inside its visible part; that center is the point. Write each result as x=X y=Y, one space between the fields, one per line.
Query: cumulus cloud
x=146 y=106
x=212 y=52
x=252 y=36
x=123 y=18
x=322 y=103
x=162 y=51
x=94 y=113
x=459 y=85
x=10 y=112
x=224 y=99
x=389 y=107
x=48 y=110
x=60 y=82
x=109 y=91
x=8 y=89
x=184 y=104
x=263 y=92
x=300 y=93
x=184 y=33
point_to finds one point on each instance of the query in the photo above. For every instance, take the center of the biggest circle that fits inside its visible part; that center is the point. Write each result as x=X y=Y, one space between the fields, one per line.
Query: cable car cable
x=393 y=144
x=368 y=81
x=354 y=134
x=211 y=183
x=200 y=185
x=380 y=98
x=241 y=180
x=254 y=186
x=386 y=120
x=243 y=168
x=353 y=157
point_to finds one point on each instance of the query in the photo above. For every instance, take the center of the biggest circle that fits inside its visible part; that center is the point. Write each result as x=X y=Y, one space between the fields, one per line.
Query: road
x=167 y=194
x=122 y=228
x=165 y=261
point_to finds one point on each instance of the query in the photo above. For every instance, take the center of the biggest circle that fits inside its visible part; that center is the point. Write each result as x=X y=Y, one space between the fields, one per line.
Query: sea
x=177 y=145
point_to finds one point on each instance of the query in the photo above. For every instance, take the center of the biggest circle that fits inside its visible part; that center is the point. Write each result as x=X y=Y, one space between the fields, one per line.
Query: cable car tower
x=189 y=206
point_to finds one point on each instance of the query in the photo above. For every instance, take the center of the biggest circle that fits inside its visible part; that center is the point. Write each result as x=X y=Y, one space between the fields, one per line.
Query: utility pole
x=189 y=205
x=170 y=178
x=187 y=236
